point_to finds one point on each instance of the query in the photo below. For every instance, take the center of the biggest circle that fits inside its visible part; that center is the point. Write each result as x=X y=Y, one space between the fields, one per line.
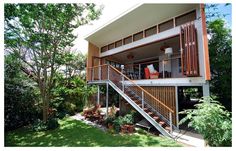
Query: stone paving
x=80 y=117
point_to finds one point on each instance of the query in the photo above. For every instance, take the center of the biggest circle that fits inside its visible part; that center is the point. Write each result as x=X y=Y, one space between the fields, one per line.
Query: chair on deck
x=150 y=72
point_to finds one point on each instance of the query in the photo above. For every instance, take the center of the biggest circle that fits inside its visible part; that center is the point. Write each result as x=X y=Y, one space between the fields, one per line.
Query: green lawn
x=76 y=133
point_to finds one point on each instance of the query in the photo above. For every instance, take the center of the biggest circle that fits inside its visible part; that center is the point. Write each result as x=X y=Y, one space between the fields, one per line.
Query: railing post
x=163 y=68
x=107 y=99
x=98 y=95
x=139 y=71
x=99 y=72
x=108 y=70
x=123 y=83
x=142 y=99
x=93 y=74
x=123 y=78
x=170 y=116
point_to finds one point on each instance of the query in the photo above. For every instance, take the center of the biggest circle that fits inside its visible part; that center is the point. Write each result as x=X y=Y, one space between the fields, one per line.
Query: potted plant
x=128 y=123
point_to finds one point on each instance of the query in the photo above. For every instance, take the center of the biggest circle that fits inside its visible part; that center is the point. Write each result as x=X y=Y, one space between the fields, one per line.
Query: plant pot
x=123 y=129
x=130 y=128
x=127 y=128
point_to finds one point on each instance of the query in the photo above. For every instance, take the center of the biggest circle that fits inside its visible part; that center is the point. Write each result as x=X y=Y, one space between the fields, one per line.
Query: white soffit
x=137 y=19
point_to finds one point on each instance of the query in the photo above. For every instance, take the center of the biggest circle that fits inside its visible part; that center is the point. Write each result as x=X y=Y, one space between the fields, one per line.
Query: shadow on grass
x=75 y=133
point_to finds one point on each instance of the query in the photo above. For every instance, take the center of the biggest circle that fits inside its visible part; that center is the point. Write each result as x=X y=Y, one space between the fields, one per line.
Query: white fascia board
x=188 y=81
x=86 y=37
x=150 y=39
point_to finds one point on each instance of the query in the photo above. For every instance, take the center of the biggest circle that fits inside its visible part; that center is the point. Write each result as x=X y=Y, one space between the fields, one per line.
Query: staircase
x=141 y=100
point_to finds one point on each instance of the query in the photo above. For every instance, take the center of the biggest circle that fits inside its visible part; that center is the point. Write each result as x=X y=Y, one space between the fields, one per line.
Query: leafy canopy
x=220 y=48
x=40 y=35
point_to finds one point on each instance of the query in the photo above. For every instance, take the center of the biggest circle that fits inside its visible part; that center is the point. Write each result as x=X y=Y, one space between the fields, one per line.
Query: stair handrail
x=142 y=89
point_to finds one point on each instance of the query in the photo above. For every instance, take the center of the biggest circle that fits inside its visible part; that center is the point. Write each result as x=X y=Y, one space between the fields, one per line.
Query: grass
x=76 y=133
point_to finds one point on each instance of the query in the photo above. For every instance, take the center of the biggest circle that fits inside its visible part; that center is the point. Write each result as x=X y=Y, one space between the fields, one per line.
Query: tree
x=39 y=34
x=220 y=48
x=19 y=92
x=220 y=52
x=75 y=64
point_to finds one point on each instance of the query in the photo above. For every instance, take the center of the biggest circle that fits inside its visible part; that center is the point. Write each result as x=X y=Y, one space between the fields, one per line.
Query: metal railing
x=168 y=67
x=108 y=72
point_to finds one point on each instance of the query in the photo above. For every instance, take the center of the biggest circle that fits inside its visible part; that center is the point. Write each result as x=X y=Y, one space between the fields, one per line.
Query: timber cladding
x=166 y=94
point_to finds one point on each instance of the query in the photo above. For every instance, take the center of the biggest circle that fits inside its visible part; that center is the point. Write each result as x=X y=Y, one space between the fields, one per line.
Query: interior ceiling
x=147 y=51
x=138 y=19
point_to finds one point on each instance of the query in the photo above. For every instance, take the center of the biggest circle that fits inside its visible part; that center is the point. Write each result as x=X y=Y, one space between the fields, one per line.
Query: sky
x=227 y=10
x=112 y=10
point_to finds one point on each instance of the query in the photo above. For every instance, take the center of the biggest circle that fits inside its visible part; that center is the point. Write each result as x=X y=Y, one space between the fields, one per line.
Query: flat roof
x=136 y=19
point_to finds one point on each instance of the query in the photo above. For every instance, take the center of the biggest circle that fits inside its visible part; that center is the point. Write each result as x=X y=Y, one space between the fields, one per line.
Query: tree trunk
x=45 y=109
x=44 y=97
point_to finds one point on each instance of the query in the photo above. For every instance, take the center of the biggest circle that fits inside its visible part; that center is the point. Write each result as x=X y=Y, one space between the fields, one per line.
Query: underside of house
x=150 y=55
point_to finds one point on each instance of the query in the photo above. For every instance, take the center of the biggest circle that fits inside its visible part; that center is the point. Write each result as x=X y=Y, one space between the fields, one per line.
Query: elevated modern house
x=149 y=52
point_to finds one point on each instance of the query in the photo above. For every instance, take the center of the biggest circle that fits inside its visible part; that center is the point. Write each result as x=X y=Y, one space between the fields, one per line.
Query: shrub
x=118 y=122
x=128 y=119
x=39 y=125
x=52 y=123
x=109 y=120
x=70 y=108
x=212 y=121
x=20 y=96
x=70 y=94
x=112 y=112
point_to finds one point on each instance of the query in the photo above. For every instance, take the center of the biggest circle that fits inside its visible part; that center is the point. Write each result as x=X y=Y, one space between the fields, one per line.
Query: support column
x=98 y=96
x=107 y=99
x=177 y=106
x=206 y=89
x=119 y=105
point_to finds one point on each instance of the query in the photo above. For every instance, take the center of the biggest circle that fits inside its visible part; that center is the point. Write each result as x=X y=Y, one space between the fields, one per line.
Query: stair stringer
x=140 y=110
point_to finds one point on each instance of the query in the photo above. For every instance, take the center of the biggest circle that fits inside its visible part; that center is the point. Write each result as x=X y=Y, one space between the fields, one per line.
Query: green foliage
x=220 y=50
x=192 y=92
x=70 y=94
x=39 y=125
x=71 y=108
x=212 y=121
x=75 y=64
x=119 y=121
x=19 y=94
x=52 y=123
x=40 y=35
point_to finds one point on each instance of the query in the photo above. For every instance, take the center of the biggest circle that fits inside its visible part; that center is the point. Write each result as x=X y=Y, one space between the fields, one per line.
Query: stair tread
x=161 y=122
x=167 y=128
x=156 y=118
x=150 y=113
x=134 y=98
